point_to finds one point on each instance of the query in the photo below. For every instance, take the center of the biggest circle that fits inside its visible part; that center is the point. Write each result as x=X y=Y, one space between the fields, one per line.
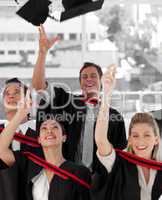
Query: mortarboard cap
x=17 y=1
x=74 y=8
x=35 y=11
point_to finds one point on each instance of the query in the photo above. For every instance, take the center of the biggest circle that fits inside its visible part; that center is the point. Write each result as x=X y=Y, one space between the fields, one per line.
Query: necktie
x=87 y=153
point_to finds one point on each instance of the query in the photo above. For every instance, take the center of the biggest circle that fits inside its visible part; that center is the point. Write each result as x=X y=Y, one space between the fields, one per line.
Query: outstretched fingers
x=54 y=40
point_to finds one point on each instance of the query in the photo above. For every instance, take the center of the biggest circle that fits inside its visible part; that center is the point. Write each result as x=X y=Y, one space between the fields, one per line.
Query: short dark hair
x=89 y=64
x=16 y=80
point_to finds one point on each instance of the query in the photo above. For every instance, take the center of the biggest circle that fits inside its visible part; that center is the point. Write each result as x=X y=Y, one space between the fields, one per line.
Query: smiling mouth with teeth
x=91 y=85
x=141 y=148
x=50 y=137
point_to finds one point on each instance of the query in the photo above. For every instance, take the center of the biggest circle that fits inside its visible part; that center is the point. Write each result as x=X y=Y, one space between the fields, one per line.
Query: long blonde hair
x=146 y=118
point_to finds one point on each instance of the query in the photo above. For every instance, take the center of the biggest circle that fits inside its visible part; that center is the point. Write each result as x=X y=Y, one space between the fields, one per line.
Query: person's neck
x=11 y=114
x=53 y=156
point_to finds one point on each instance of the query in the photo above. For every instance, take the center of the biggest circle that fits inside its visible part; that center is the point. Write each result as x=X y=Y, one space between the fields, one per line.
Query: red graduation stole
x=151 y=164
x=25 y=139
x=60 y=172
x=43 y=163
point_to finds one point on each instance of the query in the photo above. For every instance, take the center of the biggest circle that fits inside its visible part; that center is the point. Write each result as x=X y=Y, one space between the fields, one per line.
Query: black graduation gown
x=8 y=180
x=122 y=183
x=60 y=189
x=77 y=109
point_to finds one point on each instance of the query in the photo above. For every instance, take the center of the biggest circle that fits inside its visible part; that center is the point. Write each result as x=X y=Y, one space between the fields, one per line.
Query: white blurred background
x=125 y=32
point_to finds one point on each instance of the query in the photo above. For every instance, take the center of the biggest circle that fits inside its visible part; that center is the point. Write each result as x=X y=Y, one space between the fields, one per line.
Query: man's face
x=90 y=82
x=12 y=95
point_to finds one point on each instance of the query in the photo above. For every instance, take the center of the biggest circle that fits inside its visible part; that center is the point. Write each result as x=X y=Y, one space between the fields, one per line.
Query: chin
x=91 y=94
x=143 y=155
x=52 y=144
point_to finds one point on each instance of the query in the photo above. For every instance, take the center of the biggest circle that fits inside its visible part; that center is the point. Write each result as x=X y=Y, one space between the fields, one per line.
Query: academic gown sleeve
x=9 y=182
x=121 y=183
x=117 y=137
x=82 y=192
x=12 y=179
x=2 y=165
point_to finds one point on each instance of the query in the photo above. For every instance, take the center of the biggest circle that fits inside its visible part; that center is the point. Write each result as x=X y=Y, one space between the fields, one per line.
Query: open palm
x=45 y=43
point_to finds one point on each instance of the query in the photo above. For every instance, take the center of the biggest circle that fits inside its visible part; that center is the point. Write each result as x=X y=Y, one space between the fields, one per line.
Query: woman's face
x=142 y=140
x=51 y=134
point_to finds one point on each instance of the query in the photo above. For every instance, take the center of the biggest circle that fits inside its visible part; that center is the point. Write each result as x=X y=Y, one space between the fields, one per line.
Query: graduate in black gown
x=33 y=182
x=13 y=89
x=62 y=102
x=127 y=179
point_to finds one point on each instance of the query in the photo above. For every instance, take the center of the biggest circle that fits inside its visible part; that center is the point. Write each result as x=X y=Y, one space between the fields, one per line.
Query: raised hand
x=24 y=106
x=8 y=133
x=109 y=80
x=45 y=43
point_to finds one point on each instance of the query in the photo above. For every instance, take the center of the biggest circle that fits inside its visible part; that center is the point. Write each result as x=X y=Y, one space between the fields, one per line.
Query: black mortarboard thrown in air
x=74 y=8
x=35 y=11
x=17 y=1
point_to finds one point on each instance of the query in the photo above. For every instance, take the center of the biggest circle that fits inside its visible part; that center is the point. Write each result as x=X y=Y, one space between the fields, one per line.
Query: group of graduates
x=87 y=158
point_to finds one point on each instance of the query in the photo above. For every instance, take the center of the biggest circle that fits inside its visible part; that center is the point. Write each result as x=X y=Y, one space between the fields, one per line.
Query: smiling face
x=51 y=134
x=142 y=140
x=11 y=96
x=90 y=82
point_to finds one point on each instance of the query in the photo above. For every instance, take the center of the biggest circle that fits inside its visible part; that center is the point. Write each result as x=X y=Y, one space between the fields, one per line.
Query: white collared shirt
x=146 y=188
x=40 y=188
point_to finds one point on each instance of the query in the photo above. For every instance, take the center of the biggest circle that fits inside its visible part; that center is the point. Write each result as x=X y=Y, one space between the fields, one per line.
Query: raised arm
x=108 y=81
x=7 y=134
x=38 y=79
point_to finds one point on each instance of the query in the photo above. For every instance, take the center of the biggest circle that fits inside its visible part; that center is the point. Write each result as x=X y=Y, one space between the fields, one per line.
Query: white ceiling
x=153 y=2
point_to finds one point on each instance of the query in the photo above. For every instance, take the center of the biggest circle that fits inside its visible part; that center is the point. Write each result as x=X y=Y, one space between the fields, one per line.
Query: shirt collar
x=24 y=126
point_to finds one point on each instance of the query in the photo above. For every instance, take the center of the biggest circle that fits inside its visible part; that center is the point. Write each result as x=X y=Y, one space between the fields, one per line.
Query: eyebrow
x=93 y=73
x=44 y=124
x=134 y=132
x=15 y=90
x=147 y=132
